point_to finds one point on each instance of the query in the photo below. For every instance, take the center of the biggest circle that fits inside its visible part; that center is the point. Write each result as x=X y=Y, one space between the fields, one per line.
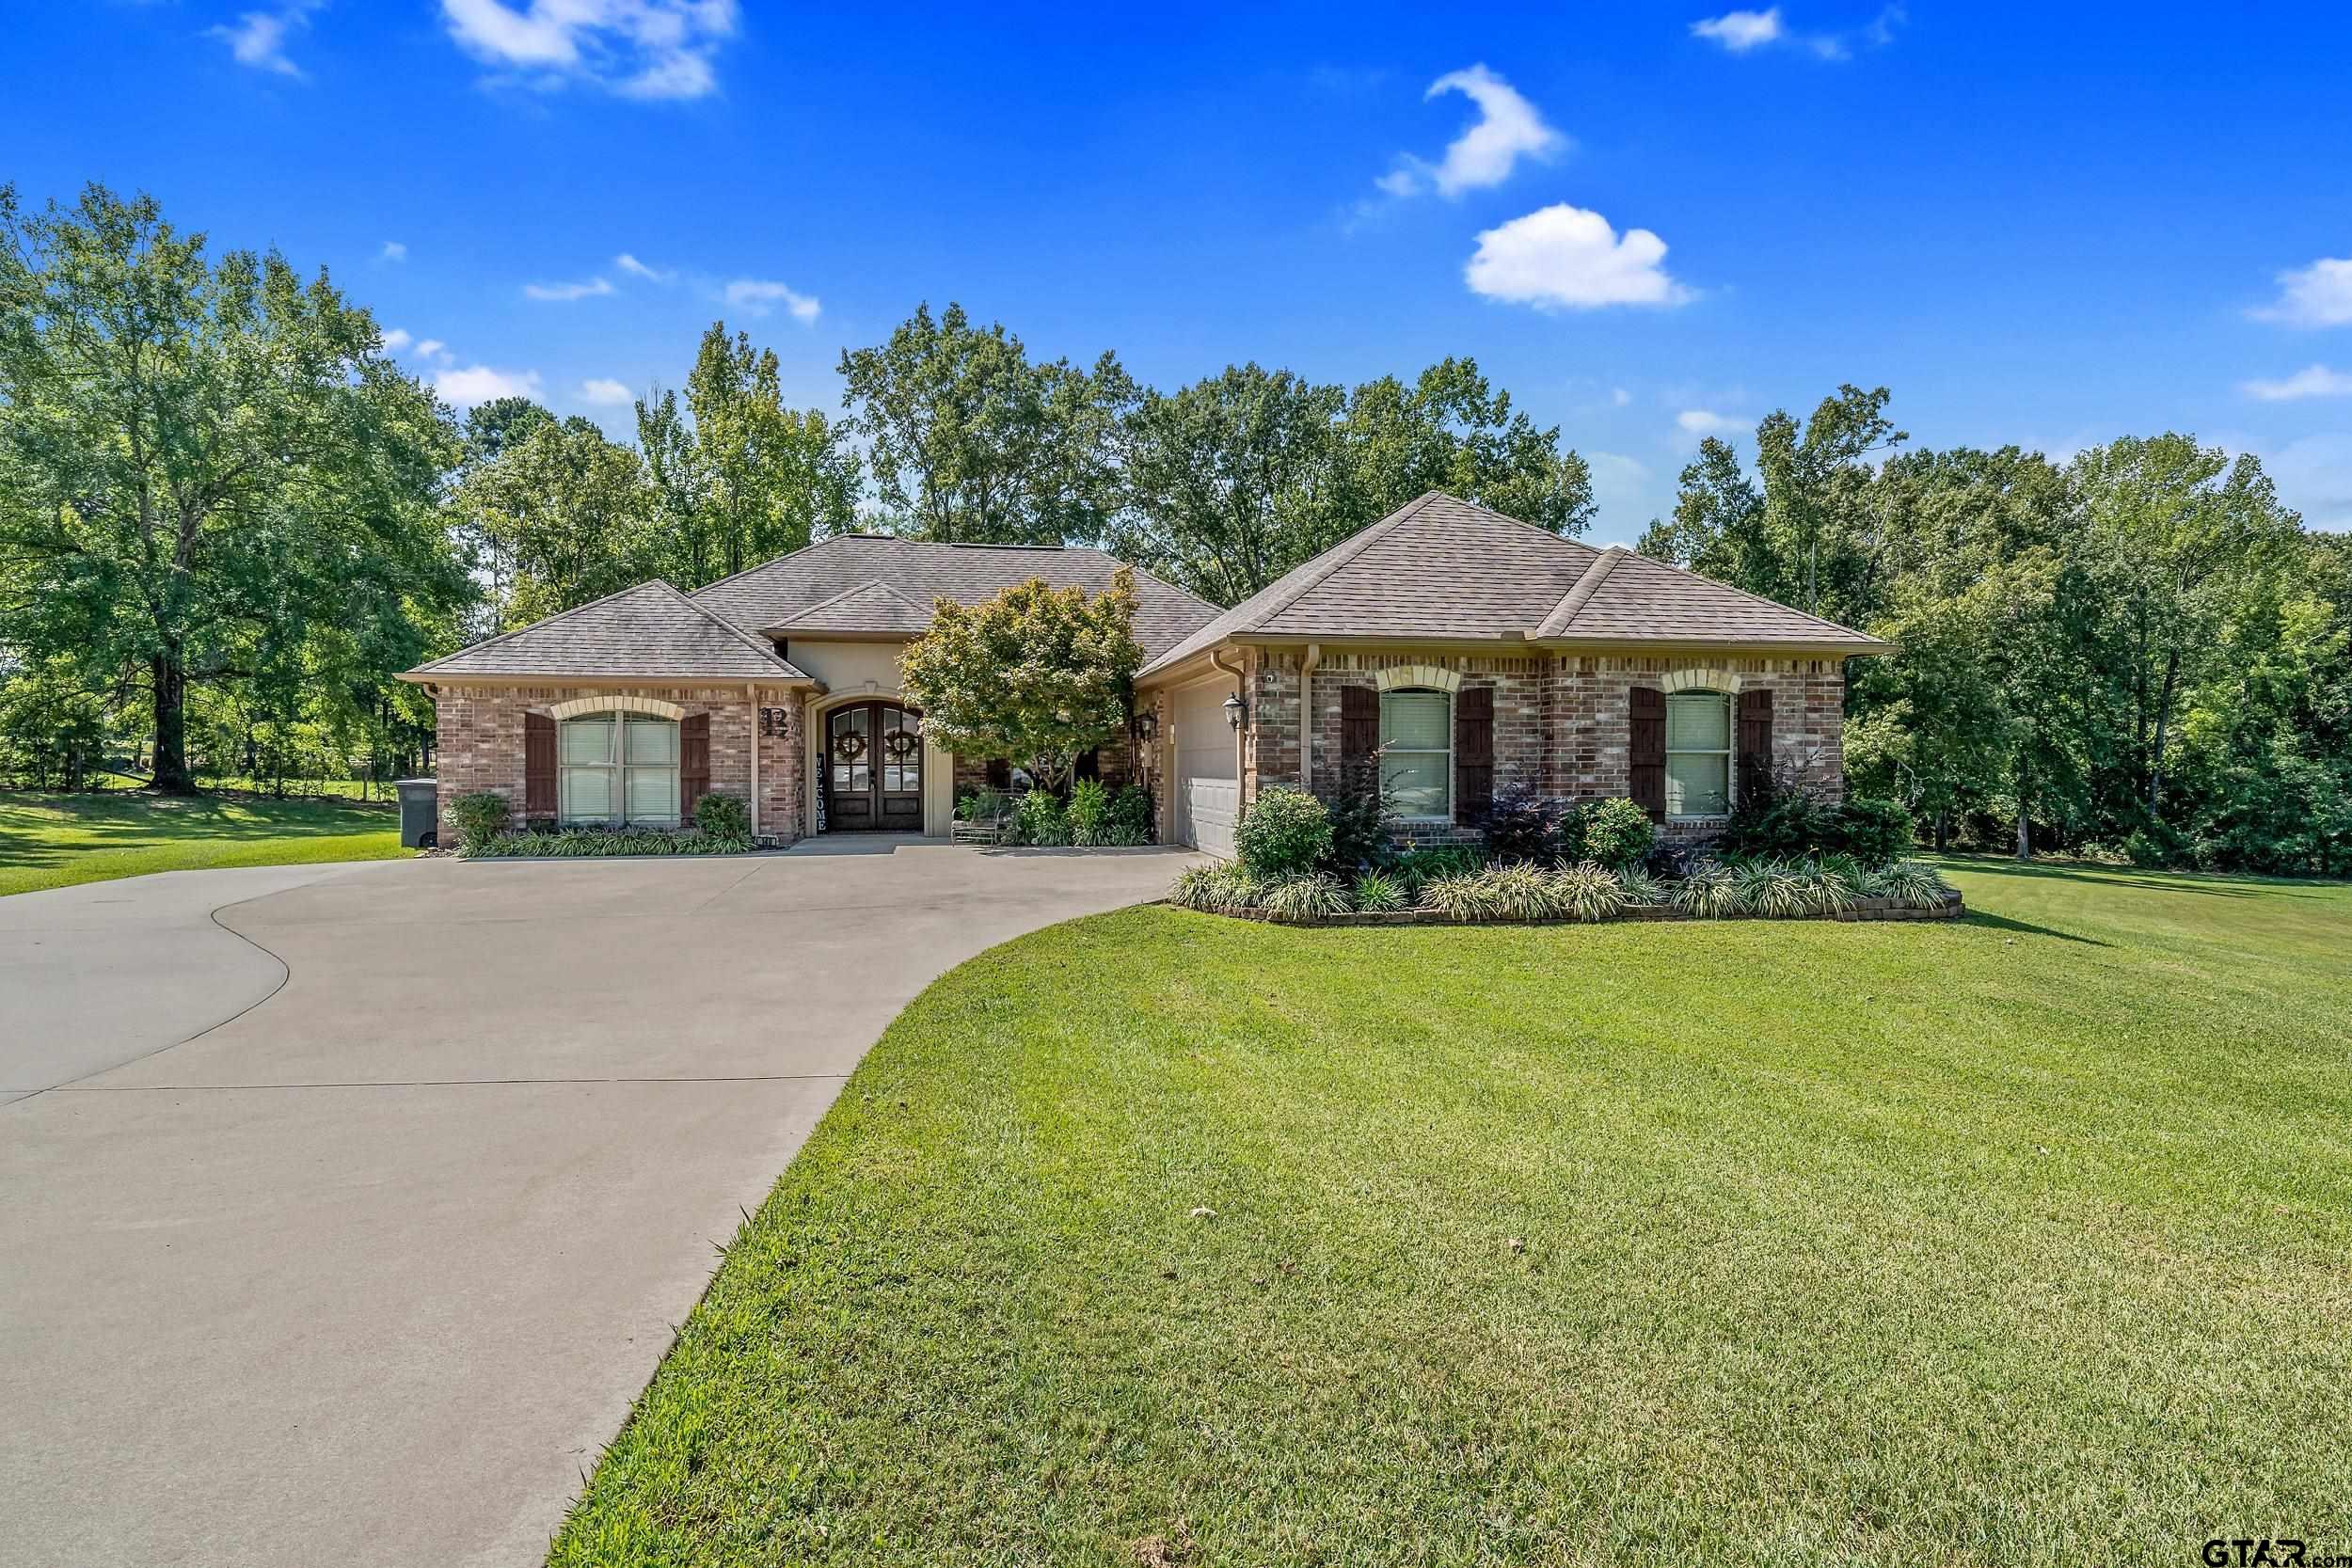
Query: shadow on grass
x=2003 y=923
x=2213 y=884
x=43 y=829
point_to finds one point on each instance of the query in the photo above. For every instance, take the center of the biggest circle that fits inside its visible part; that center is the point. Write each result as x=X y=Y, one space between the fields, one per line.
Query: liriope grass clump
x=1588 y=892
x=1310 y=897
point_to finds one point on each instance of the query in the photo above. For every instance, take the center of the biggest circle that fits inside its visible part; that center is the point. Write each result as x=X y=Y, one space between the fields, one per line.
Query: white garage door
x=1208 y=792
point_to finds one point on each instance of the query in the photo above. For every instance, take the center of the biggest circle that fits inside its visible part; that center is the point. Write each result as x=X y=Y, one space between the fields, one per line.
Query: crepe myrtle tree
x=1037 y=675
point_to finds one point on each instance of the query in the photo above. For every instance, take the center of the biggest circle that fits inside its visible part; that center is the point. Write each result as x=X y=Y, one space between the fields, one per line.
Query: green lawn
x=57 y=840
x=2022 y=1240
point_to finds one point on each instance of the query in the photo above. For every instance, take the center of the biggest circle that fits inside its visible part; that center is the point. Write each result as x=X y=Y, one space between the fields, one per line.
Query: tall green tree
x=971 y=441
x=1451 y=431
x=570 y=510
x=208 y=461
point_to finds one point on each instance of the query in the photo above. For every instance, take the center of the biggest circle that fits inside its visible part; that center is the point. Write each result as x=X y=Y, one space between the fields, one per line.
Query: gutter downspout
x=1307 y=662
x=1216 y=657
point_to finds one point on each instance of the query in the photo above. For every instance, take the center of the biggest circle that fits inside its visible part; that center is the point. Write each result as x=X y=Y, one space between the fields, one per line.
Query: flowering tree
x=1037 y=675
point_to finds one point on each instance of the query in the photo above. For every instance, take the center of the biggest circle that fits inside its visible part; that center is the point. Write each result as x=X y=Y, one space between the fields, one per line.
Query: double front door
x=873 y=769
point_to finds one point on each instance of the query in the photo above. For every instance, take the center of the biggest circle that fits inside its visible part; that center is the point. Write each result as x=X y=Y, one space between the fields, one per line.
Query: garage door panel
x=1211 y=806
x=1208 y=793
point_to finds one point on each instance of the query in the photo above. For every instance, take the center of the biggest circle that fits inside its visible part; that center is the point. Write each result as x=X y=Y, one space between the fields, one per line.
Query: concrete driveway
x=368 y=1269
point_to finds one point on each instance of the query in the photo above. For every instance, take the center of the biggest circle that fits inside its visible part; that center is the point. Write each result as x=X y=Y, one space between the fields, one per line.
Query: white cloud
x=393 y=251
x=1619 y=396
x=432 y=348
x=636 y=268
x=259 y=37
x=636 y=48
x=2311 y=381
x=1740 y=31
x=1508 y=128
x=1564 y=256
x=1705 y=421
x=562 y=293
x=396 y=340
x=1619 y=482
x=605 y=392
x=2317 y=296
x=479 y=383
x=757 y=297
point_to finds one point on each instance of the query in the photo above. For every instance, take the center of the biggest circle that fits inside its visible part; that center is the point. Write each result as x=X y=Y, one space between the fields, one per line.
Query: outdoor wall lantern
x=1147 y=726
x=1236 y=711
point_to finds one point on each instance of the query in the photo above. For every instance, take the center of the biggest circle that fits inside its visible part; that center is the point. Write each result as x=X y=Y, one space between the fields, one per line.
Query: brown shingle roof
x=1443 y=570
x=915 y=570
x=876 y=607
x=651 y=630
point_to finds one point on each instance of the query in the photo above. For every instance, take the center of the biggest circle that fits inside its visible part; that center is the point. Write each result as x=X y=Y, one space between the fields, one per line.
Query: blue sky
x=2047 y=225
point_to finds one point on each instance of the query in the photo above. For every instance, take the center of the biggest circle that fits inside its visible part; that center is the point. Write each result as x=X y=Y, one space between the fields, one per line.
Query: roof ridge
x=1775 y=604
x=1515 y=522
x=546 y=621
x=1580 y=592
x=773 y=560
x=1329 y=563
x=743 y=636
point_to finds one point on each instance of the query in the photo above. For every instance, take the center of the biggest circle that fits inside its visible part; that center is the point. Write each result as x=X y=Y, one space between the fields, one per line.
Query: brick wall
x=480 y=744
x=1562 y=720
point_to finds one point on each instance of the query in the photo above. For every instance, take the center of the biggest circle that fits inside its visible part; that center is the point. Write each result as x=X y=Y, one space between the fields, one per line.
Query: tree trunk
x=1942 y=832
x=2025 y=819
x=2164 y=715
x=170 y=680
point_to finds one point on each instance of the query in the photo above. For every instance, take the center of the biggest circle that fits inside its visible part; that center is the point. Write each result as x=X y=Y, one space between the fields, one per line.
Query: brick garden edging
x=1864 y=910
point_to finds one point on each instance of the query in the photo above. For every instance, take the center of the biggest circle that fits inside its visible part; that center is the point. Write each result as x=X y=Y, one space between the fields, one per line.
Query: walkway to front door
x=874 y=768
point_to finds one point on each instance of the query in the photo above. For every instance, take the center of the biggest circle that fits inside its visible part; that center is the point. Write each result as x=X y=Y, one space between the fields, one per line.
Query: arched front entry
x=873 y=769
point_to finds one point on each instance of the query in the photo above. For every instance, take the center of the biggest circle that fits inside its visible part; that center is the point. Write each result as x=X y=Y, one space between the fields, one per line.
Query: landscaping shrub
x=723 y=816
x=583 y=843
x=1377 y=892
x=1773 y=889
x=1522 y=891
x=1361 y=814
x=1416 y=867
x=1639 y=888
x=1875 y=833
x=1711 y=891
x=983 y=805
x=1308 y=896
x=1779 y=818
x=1519 y=828
x=1922 y=887
x=1089 y=810
x=1465 y=895
x=1587 y=891
x=1287 y=833
x=1040 y=820
x=480 y=817
x=1613 y=834
x=1129 y=819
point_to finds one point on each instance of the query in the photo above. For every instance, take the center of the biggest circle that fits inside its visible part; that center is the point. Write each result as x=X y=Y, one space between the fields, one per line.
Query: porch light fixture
x=1147 y=726
x=1236 y=711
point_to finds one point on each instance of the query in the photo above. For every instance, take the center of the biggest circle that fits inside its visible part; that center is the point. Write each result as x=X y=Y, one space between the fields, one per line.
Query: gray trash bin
x=416 y=803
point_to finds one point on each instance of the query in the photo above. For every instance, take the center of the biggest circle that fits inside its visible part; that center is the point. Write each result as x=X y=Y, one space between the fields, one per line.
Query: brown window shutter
x=694 y=762
x=1359 y=723
x=1756 y=739
x=1473 y=754
x=1645 y=750
x=538 y=765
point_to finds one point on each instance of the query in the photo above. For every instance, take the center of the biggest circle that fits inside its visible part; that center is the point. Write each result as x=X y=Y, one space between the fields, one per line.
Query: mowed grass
x=2022 y=1240
x=51 y=840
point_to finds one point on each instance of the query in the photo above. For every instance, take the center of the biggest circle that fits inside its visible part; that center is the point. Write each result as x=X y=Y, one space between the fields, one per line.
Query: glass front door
x=874 y=768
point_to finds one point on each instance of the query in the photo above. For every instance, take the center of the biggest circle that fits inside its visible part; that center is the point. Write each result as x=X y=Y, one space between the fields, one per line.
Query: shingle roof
x=1634 y=598
x=649 y=631
x=1444 y=570
x=911 y=569
x=875 y=607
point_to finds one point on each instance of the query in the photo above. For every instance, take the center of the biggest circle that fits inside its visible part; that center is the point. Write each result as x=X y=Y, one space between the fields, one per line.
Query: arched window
x=1698 y=754
x=1417 y=753
x=617 y=767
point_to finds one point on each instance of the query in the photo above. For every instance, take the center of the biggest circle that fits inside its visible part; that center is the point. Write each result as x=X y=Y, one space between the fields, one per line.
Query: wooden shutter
x=1645 y=750
x=538 y=765
x=694 y=763
x=1473 y=754
x=1359 y=723
x=1756 y=739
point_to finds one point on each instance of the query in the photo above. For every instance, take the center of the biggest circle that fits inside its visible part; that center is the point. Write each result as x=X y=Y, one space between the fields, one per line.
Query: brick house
x=1456 y=651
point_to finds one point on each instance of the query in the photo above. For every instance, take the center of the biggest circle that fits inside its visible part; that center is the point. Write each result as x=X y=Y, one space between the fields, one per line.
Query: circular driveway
x=344 y=1224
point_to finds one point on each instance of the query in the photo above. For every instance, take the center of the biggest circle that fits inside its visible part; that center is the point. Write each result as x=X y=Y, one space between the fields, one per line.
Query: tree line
x=229 y=518
x=2139 y=650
